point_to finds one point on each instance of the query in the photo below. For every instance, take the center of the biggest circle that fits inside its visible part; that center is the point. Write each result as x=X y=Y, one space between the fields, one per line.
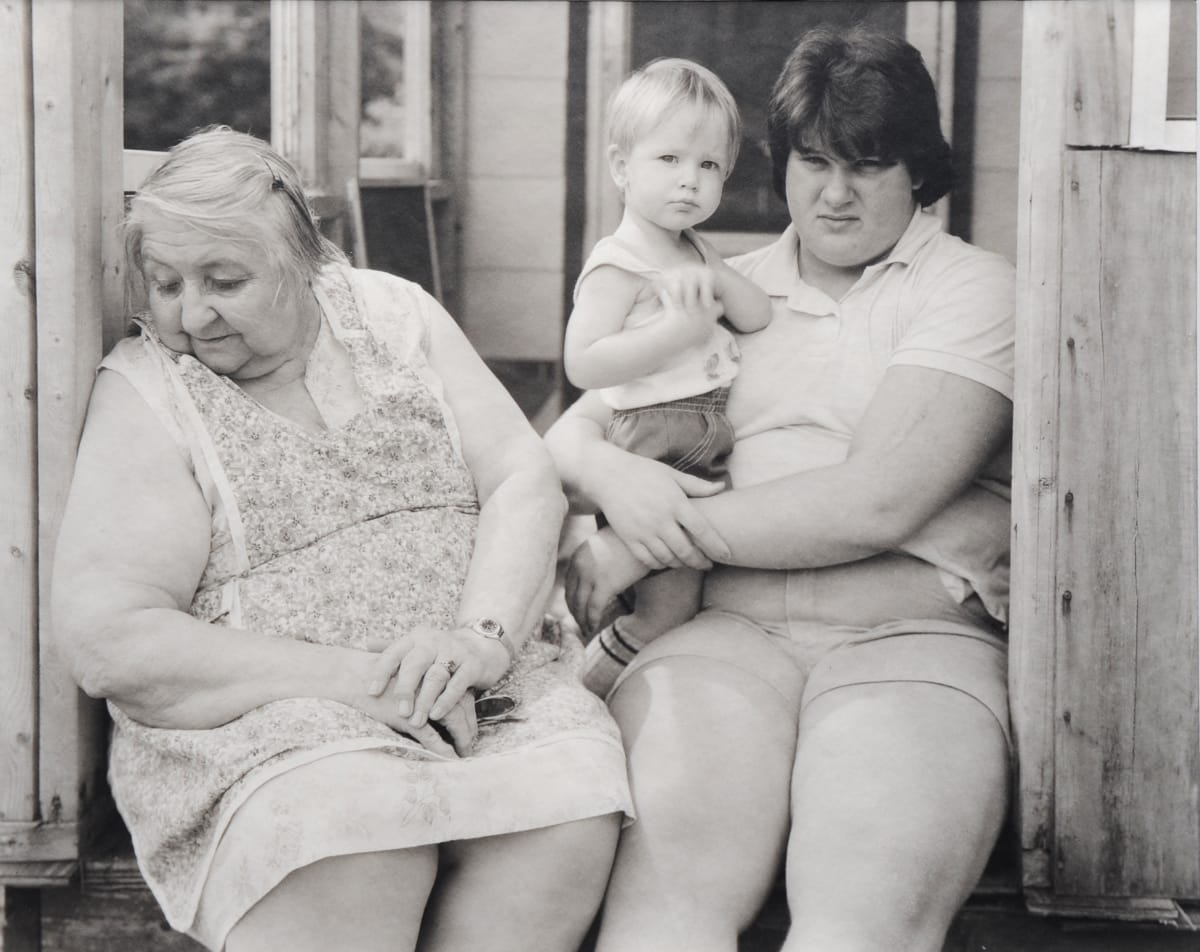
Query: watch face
x=489 y=627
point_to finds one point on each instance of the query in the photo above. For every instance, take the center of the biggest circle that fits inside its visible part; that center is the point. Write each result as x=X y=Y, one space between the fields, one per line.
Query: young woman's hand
x=649 y=507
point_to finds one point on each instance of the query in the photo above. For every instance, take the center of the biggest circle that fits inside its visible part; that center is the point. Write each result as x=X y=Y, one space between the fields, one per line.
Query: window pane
x=381 y=132
x=192 y=63
x=1181 y=61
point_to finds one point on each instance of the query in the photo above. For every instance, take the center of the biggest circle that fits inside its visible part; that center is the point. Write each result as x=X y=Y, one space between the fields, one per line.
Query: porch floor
x=111 y=911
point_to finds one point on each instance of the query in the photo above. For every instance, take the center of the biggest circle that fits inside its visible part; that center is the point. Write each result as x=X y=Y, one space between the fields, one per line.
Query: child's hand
x=693 y=287
x=689 y=301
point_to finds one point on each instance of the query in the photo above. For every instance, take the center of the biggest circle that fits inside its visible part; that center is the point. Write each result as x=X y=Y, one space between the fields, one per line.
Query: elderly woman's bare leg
x=898 y=794
x=710 y=750
x=539 y=889
x=378 y=900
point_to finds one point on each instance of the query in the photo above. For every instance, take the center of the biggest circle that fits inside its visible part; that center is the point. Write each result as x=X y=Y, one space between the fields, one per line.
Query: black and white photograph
x=599 y=476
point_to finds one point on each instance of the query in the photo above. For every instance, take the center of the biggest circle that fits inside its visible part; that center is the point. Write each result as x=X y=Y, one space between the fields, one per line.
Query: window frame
x=416 y=168
x=1149 y=125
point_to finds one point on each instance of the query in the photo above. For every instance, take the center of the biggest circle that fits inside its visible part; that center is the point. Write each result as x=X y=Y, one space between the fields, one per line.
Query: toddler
x=646 y=329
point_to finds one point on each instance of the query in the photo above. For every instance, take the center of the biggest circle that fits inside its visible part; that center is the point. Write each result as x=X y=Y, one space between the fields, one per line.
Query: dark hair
x=859 y=93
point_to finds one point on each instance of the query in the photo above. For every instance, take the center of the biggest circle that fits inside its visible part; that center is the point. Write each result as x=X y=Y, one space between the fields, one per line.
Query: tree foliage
x=192 y=63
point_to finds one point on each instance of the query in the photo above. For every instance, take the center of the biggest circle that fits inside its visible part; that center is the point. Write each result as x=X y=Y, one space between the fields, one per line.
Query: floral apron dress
x=339 y=537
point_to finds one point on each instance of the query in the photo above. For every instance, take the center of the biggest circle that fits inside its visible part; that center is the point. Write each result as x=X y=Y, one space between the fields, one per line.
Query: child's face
x=674 y=174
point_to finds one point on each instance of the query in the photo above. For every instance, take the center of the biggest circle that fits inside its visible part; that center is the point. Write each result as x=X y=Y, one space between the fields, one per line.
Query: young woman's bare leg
x=710 y=752
x=898 y=795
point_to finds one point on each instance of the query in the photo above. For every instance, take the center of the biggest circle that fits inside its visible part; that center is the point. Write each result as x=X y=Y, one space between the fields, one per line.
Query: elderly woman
x=307 y=528
x=839 y=702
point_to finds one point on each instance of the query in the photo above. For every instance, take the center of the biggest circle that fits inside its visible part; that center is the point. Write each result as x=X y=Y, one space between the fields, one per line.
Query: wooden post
x=1101 y=73
x=77 y=115
x=1036 y=496
x=18 y=427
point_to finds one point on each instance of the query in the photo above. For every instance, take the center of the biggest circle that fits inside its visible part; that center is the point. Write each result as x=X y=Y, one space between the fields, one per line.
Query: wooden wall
x=1127 y=757
x=513 y=178
x=1105 y=669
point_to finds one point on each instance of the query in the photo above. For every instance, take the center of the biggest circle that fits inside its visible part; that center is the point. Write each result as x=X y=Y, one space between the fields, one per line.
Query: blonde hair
x=664 y=85
x=236 y=188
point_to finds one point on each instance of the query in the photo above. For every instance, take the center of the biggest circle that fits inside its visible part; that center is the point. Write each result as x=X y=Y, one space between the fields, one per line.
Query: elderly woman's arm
x=133 y=544
x=512 y=566
x=522 y=503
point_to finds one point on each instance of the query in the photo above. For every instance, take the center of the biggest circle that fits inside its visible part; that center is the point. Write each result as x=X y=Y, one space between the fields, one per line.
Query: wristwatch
x=490 y=628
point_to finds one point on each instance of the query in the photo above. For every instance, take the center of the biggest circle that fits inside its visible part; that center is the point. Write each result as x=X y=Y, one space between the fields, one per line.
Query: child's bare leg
x=664 y=601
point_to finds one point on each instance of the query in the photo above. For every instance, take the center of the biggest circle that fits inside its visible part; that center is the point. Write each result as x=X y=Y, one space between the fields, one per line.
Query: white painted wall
x=513 y=194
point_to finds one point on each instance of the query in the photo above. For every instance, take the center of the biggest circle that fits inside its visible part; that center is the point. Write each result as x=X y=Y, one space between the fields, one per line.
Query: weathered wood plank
x=18 y=425
x=1101 y=64
x=1035 y=425
x=1128 y=737
x=77 y=90
x=38 y=842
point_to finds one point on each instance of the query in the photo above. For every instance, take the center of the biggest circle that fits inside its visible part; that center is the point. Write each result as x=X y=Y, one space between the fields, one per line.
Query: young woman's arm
x=923 y=439
x=647 y=503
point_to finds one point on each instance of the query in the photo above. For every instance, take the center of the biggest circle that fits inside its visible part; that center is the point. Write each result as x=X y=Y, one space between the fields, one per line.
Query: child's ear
x=617 y=165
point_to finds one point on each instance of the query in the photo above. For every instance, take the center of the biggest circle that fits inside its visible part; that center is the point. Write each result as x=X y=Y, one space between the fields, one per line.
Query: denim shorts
x=690 y=434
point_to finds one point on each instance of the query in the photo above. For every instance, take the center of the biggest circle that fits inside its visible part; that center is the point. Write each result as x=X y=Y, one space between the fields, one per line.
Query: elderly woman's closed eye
x=307 y=529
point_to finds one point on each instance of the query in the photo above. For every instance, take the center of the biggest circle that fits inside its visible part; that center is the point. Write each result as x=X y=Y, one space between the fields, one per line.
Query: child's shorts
x=690 y=434
x=806 y=632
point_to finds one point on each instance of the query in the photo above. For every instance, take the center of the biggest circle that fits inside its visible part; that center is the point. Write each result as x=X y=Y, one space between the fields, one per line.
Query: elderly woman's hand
x=432 y=670
x=601 y=567
x=650 y=509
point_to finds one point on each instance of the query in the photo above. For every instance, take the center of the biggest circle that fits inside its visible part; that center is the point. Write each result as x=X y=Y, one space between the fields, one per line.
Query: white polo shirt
x=807 y=378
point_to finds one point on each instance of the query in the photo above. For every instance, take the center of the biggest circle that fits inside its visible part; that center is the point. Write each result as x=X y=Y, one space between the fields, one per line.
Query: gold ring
x=450 y=666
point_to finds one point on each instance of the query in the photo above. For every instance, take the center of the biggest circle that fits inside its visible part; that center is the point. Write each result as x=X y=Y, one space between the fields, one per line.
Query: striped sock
x=605 y=658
